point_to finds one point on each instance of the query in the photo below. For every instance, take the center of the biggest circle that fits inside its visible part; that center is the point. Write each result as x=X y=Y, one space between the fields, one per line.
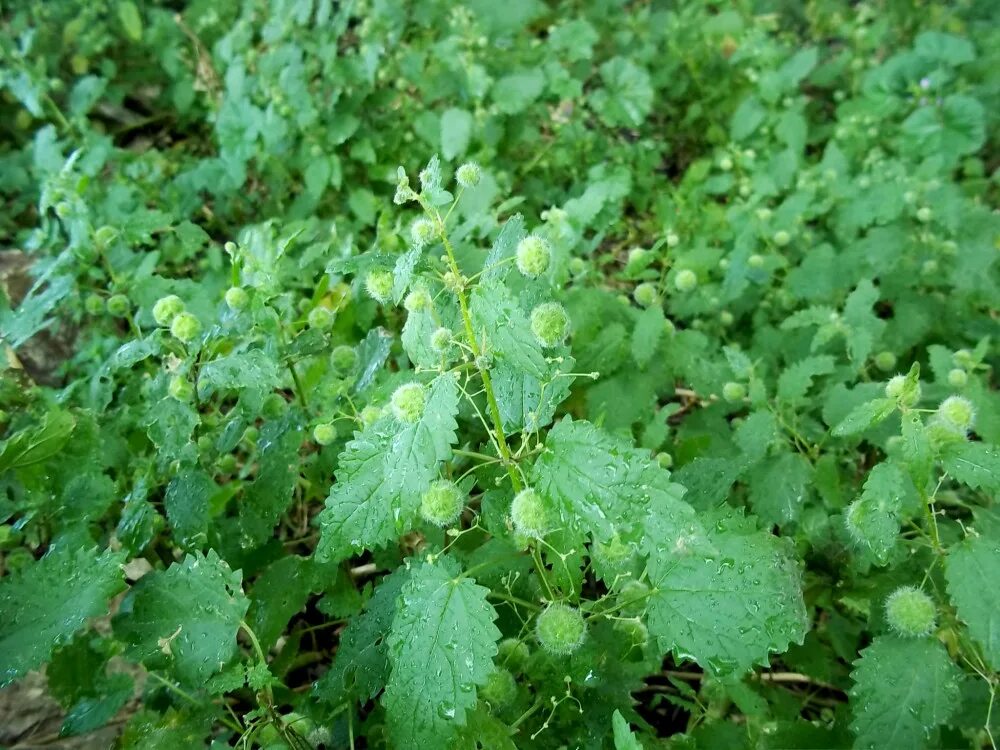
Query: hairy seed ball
x=645 y=295
x=725 y=164
x=441 y=504
x=957 y=377
x=782 y=238
x=378 y=284
x=672 y=239
x=512 y=654
x=320 y=318
x=468 y=175
x=611 y=557
x=533 y=256
x=422 y=232
x=237 y=298
x=528 y=514
x=635 y=633
x=167 y=308
x=897 y=389
x=343 y=359
x=910 y=612
x=924 y=214
x=454 y=282
x=733 y=392
x=963 y=358
x=179 y=388
x=577 y=266
x=441 y=340
x=885 y=361
x=119 y=305
x=560 y=629
x=500 y=690
x=632 y=596
x=726 y=318
x=756 y=261
x=685 y=280
x=185 y=327
x=94 y=305
x=418 y=300
x=408 y=402
x=637 y=255
x=324 y=434
x=550 y=324
x=369 y=415
x=957 y=412
x=664 y=460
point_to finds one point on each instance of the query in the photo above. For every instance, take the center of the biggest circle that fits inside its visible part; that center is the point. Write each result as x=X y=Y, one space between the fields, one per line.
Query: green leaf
x=361 y=666
x=903 y=688
x=278 y=594
x=916 y=448
x=627 y=96
x=972 y=571
x=46 y=602
x=32 y=315
x=727 y=612
x=187 y=505
x=515 y=92
x=130 y=19
x=873 y=520
x=623 y=737
x=947 y=48
x=456 y=129
x=382 y=473
x=441 y=646
x=526 y=402
x=649 y=329
x=602 y=485
x=749 y=116
x=32 y=446
x=974 y=464
x=865 y=416
x=506 y=328
x=253 y=368
x=780 y=487
x=795 y=381
x=268 y=496
x=185 y=617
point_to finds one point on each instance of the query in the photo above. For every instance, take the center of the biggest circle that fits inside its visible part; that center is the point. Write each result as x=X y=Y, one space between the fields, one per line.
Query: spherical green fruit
x=645 y=295
x=924 y=214
x=320 y=318
x=180 y=389
x=441 y=340
x=408 y=402
x=369 y=415
x=227 y=464
x=500 y=690
x=755 y=261
x=665 y=460
x=104 y=235
x=529 y=515
x=185 y=327
x=686 y=280
x=612 y=557
x=637 y=255
x=733 y=392
x=274 y=406
x=726 y=318
x=560 y=629
x=632 y=596
x=237 y=298
x=898 y=389
x=119 y=305
x=512 y=654
x=672 y=239
x=167 y=308
x=94 y=305
x=343 y=359
x=957 y=378
x=441 y=504
x=325 y=433
x=378 y=284
x=634 y=631
x=533 y=256
x=577 y=266
x=885 y=361
x=550 y=324
x=963 y=358
x=418 y=300
x=957 y=412
x=422 y=232
x=782 y=238
x=910 y=612
x=468 y=175
x=250 y=434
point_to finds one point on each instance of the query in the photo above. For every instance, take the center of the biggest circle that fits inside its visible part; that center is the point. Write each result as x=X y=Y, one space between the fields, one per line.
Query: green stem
x=260 y=655
x=514 y=600
x=931 y=521
x=191 y=699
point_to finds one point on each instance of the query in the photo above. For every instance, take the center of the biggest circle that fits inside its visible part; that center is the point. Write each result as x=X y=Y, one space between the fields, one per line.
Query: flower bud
x=782 y=238
x=441 y=340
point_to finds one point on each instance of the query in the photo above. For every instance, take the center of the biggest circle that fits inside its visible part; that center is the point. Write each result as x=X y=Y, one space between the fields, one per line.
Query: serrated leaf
x=503 y=247
x=506 y=328
x=382 y=473
x=34 y=445
x=187 y=505
x=903 y=688
x=185 y=617
x=727 y=612
x=456 y=130
x=796 y=380
x=268 y=496
x=602 y=485
x=278 y=594
x=361 y=666
x=916 y=448
x=974 y=464
x=524 y=401
x=441 y=646
x=865 y=416
x=649 y=329
x=623 y=737
x=972 y=571
x=874 y=518
x=779 y=488
x=46 y=602
x=248 y=369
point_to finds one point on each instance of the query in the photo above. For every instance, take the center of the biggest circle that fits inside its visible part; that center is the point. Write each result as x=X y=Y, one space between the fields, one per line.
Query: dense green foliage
x=503 y=374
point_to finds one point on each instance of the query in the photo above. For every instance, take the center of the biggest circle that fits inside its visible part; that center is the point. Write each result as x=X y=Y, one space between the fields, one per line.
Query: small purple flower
x=925 y=83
